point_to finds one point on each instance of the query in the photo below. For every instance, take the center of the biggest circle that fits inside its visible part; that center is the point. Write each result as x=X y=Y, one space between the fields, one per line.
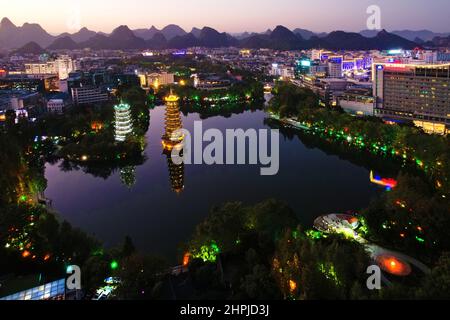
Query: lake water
x=158 y=219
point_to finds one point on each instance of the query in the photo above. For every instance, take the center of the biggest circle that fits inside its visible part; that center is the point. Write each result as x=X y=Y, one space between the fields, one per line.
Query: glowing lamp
x=292 y=286
x=172 y=98
x=96 y=126
x=394 y=266
x=186 y=259
x=305 y=63
x=114 y=265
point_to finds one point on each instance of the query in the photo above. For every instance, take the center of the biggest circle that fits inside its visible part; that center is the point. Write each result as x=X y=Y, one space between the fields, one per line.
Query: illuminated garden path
x=337 y=224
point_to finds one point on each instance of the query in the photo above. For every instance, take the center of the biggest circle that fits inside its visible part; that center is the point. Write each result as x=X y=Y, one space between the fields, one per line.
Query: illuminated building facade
x=357 y=101
x=211 y=82
x=28 y=83
x=123 y=122
x=417 y=93
x=303 y=67
x=62 y=66
x=156 y=80
x=335 y=66
x=56 y=106
x=89 y=94
x=51 y=291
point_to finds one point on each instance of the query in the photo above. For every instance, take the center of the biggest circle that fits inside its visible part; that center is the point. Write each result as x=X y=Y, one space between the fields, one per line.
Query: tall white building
x=335 y=67
x=64 y=66
x=275 y=70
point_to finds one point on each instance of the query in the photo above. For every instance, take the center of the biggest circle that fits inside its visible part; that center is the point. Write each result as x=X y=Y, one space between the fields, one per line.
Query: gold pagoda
x=173 y=123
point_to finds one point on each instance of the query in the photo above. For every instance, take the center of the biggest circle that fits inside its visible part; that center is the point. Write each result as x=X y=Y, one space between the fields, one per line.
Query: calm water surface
x=158 y=219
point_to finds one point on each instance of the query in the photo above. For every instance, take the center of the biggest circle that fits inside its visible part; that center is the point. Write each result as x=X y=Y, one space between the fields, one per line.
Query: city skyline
x=230 y=16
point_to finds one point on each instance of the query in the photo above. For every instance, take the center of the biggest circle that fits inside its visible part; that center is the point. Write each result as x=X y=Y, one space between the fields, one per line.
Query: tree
x=128 y=247
x=260 y=285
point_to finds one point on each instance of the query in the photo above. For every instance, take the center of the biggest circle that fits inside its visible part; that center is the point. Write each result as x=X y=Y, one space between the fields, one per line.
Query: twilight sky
x=227 y=15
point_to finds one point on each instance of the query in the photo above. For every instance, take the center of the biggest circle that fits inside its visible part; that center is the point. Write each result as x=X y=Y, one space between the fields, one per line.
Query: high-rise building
x=335 y=66
x=172 y=137
x=357 y=101
x=303 y=67
x=88 y=94
x=56 y=106
x=417 y=93
x=156 y=80
x=62 y=66
x=123 y=121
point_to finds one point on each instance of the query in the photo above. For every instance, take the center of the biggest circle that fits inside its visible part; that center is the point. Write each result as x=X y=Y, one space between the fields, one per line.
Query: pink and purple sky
x=228 y=15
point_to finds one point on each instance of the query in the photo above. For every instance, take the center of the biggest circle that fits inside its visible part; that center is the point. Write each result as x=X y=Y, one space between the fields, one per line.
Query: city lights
x=127 y=156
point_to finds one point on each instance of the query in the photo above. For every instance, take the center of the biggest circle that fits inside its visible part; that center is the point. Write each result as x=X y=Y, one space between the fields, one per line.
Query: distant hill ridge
x=173 y=36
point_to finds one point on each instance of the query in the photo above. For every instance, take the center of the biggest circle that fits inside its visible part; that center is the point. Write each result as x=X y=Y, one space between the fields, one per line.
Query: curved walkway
x=330 y=224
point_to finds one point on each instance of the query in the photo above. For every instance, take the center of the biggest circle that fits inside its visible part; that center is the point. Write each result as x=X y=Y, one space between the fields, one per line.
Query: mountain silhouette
x=173 y=36
x=30 y=48
x=63 y=43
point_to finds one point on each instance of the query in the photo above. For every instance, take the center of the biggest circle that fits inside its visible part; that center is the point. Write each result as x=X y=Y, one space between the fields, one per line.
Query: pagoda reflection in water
x=173 y=139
